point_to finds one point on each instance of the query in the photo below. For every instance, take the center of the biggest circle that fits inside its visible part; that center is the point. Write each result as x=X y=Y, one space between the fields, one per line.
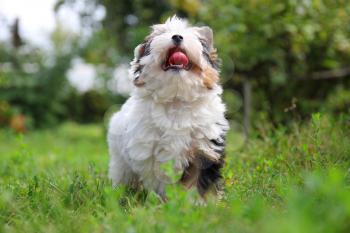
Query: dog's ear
x=206 y=33
x=143 y=49
x=139 y=51
x=207 y=40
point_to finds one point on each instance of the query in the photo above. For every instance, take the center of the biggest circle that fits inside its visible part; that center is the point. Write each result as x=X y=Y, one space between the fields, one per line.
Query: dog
x=174 y=112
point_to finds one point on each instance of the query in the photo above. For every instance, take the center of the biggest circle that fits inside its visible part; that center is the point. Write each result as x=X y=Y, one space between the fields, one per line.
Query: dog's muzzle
x=176 y=59
x=177 y=39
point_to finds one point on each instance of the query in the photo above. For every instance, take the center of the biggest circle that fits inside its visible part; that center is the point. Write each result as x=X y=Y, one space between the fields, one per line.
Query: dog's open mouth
x=176 y=59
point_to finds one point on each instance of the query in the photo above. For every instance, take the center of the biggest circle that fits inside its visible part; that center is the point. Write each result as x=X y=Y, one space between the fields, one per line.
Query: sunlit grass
x=56 y=181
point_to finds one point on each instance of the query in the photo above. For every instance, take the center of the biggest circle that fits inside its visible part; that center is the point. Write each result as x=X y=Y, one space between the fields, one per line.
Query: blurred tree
x=16 y=37
x=296 y=50
x=32 y=82
x=282 y=46
x=125 y=22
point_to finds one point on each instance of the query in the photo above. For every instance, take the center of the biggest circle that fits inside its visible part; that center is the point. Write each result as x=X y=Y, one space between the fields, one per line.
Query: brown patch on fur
x=139 y=82
x=196 y=69
x=195 y=175
x=214 y=56
x=190 y=176
x=210 y=77
x=199 y=161
x=191 y=173
x=142 y=50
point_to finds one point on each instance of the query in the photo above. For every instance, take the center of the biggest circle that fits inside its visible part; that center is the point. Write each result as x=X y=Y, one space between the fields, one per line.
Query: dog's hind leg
x=204 y=174
x=209 y=178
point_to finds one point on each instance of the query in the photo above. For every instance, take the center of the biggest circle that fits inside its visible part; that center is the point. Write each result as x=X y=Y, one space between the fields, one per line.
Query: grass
x=293 y=179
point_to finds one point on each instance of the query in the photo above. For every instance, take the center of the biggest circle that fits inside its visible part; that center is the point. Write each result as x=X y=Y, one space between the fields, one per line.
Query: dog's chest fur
x=170 y=131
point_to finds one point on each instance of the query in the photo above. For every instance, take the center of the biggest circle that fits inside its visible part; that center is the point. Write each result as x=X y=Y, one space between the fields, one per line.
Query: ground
x=286 y=179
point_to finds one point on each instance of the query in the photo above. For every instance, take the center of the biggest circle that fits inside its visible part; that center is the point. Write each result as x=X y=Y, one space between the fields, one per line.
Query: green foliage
x=338 y=102
x=5 y=113
x=292 y=177
x=126 y=22
x=87 y=107
x=282 y=46
x=39 y=94
x=283 y=39
x=34 y=83
x=56 y=181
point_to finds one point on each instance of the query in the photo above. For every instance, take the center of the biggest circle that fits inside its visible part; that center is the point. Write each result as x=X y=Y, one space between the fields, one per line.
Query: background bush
x=295 y=53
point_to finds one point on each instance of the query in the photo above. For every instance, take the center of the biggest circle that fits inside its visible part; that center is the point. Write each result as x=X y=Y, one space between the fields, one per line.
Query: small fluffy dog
x=175 y=112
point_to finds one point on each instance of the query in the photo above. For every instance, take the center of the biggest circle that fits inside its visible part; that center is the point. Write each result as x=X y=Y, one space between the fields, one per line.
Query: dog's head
x=176 y=61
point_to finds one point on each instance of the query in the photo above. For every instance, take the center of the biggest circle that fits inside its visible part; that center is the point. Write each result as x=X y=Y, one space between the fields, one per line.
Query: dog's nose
x=177 y=39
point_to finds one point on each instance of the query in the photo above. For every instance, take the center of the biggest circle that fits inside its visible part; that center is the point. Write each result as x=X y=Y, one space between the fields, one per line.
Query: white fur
x=162 y=120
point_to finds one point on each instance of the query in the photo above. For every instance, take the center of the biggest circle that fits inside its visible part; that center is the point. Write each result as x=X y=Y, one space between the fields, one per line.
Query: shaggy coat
x=175 y=113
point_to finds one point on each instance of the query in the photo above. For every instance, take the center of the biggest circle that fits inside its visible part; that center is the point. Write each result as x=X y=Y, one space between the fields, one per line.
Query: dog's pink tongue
x=178 y=58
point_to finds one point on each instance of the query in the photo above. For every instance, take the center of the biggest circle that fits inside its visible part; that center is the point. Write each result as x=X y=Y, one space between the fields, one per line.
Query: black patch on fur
x=147 y=48
x=137 y=73
x=209 y=175
x=206 y=53
x=219 y=141
x=145 y=51
x=219 y=144
x=138 y=70
x=208 y=171
x=203 y=174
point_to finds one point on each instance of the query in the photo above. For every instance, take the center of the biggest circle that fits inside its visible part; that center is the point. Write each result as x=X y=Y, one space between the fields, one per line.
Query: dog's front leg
x=161 y=192
x=158 y=186
x=154 y=179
